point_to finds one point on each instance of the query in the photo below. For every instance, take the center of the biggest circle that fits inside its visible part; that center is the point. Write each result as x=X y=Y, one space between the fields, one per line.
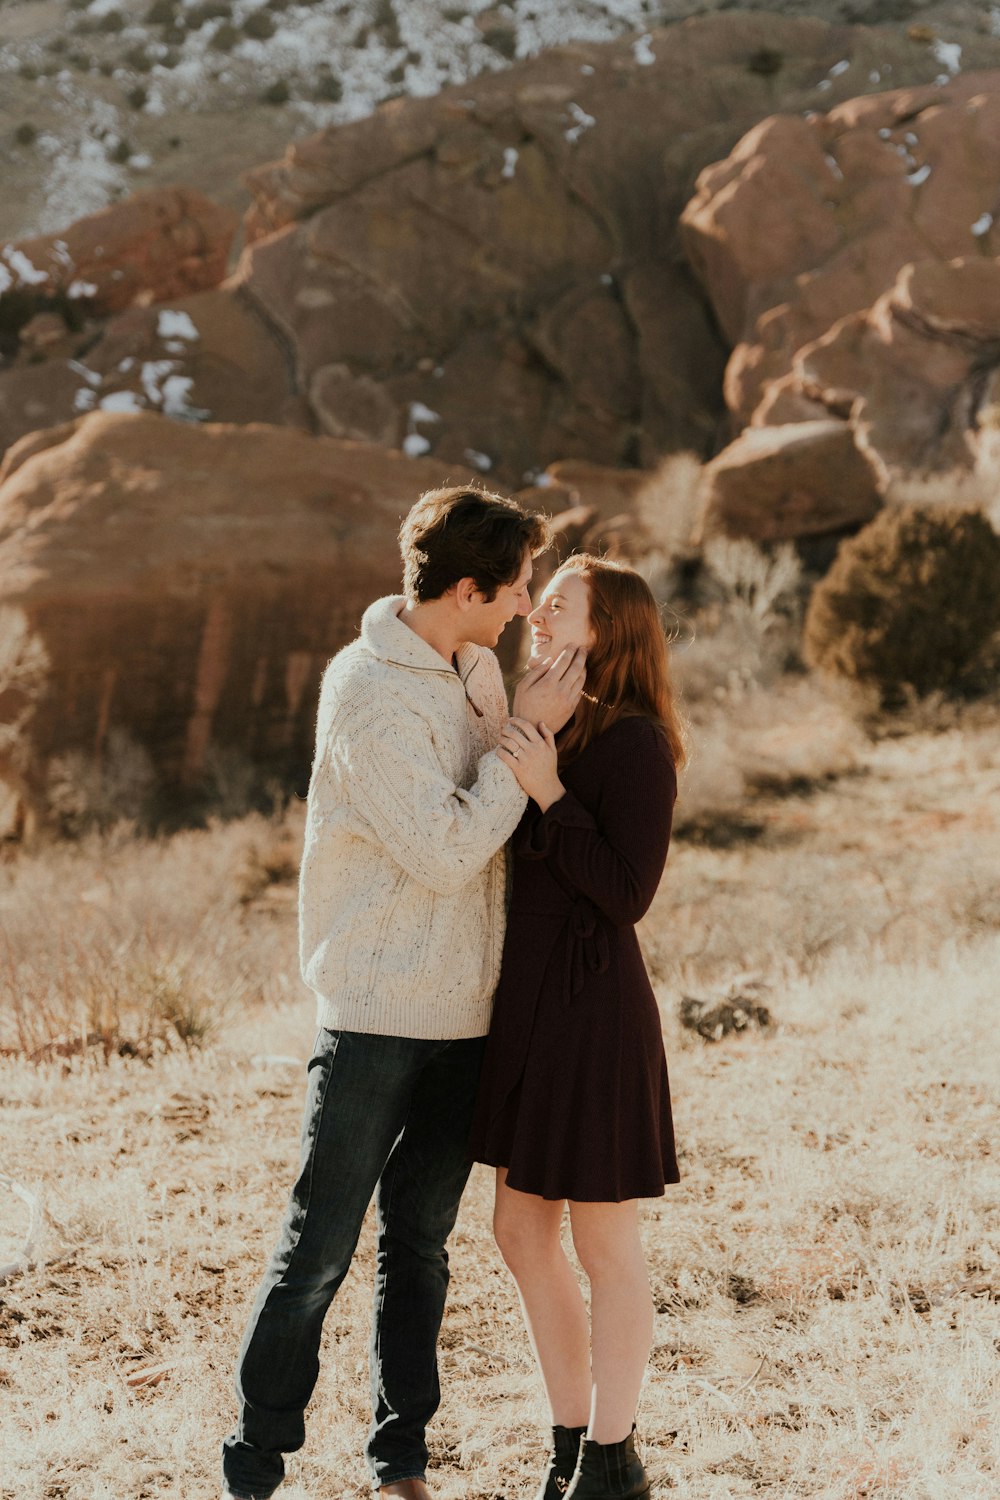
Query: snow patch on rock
x=175 y=325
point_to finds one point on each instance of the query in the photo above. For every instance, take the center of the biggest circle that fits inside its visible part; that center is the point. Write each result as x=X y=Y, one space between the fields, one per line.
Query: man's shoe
x=405 y=1489
x=609 y=1471
x=562 y=1463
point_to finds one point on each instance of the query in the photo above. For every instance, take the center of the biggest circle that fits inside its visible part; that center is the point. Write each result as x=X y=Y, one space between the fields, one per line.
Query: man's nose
x=524 y=607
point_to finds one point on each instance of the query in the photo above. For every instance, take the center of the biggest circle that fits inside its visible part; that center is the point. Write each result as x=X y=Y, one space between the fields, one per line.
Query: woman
x=574 y=1103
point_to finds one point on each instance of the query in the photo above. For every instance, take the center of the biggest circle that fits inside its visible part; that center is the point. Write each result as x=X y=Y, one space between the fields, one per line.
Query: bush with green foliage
x=911 y=605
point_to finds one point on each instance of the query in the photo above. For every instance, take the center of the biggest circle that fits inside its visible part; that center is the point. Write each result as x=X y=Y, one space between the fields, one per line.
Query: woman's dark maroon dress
x=574 y=1099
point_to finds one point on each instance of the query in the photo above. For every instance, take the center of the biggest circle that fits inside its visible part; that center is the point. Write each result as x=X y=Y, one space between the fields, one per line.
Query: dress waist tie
x=587 y=947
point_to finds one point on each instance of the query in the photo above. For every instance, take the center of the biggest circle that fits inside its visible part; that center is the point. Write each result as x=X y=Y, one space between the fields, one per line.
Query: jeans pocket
x=324 y=1045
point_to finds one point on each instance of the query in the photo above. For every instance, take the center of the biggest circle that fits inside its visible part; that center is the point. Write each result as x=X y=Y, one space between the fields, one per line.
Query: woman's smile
x=561 y=619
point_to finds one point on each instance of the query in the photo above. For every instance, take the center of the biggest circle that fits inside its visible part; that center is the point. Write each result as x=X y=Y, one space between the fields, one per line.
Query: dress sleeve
x=617 y=858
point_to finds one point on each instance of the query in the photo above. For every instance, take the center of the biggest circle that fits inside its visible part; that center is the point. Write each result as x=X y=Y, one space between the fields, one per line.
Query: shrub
x=86 y=792
x=911 y=605
x=259 y=24
x=137 y=98
x=225 y=38
x=26 y=134
x=746 y=633
x=138 y=59
x=277 y=93
x=234 y=786
x=210 y=10
x=387 y=22
x=502 y=39
x=329 y=88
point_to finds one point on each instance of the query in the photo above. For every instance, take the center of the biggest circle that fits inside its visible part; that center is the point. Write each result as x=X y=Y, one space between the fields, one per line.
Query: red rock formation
x=871 y=298
x=187 y=584
x=863 y=190
x=777 y=483
x=148 y=248
x=493 y=275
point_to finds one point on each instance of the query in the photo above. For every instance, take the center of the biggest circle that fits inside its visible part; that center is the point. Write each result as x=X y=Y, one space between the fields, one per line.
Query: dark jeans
x=388 y=1115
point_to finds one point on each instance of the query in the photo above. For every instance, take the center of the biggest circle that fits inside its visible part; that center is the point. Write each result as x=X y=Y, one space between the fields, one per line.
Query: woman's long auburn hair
x=628 y=666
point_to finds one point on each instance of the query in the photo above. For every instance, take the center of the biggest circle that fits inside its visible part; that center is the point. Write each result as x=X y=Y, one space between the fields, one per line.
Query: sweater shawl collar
x=385 y=635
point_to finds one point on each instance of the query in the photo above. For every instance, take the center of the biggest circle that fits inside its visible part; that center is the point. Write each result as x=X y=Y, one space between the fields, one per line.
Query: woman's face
x=562 y=617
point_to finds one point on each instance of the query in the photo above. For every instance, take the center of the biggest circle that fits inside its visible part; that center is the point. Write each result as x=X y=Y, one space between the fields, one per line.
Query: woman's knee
x=606 y=1240
x=524 y=1237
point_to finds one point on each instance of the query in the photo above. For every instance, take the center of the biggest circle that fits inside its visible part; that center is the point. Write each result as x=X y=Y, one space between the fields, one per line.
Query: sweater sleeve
x=616 y=859
x=390 y=775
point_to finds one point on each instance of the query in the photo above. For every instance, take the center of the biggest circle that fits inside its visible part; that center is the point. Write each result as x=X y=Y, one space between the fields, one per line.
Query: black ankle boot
x=609 y=1471
x=562 y=1464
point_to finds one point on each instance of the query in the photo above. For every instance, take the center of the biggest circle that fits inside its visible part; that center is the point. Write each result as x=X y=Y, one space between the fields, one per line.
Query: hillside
x=102 y=99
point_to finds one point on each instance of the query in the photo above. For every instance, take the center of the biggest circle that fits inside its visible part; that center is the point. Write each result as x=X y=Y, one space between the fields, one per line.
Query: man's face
x=488 y=617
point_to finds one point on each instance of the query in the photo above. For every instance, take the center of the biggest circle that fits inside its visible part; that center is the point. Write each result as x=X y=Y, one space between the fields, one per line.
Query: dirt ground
x=826 y=1277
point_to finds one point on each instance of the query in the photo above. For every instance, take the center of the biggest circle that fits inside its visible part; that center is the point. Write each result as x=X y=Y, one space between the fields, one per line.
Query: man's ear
x=466 y=593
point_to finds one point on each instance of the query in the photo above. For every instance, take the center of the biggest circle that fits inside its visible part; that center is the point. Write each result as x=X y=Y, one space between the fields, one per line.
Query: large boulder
x=864 y=189
x=186 y=585
x=494 y=275
x=147 y=248
x=864 y=317
x=781 y=483
x=510 y=263
x=155 y=359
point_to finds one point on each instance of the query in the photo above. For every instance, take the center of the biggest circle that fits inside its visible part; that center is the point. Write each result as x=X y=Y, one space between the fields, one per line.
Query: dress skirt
x=574 y=1098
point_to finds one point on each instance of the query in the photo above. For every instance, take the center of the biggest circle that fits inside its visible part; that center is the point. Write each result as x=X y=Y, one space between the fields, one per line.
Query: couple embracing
x=442 y=1041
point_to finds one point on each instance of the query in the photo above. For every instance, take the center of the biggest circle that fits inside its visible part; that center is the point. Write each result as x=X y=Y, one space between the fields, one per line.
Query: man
x=401 y=923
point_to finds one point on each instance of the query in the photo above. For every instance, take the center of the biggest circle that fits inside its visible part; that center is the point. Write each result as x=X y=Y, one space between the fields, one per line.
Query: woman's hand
x=532 y=756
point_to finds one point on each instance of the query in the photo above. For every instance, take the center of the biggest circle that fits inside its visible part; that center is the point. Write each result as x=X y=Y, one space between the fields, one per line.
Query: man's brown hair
x=457 y=533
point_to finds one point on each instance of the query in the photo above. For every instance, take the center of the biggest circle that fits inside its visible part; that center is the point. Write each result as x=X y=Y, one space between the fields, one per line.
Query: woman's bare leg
x=606 y=1236
x=527 y=1233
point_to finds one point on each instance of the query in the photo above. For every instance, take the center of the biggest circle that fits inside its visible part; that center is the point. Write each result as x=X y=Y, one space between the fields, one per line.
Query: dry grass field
x=826 y=1277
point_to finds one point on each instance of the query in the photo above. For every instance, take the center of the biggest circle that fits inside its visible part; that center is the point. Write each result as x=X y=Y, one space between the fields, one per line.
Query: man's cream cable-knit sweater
x=402 y=887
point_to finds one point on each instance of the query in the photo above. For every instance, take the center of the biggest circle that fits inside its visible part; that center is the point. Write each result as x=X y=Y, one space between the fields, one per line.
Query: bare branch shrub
x=667 y=507
x=234 y=786
x=751 y=723
x=748 y=629
x=24 y=665
x=91 y=791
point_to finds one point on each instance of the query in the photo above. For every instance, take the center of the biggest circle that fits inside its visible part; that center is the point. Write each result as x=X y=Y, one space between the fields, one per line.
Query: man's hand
x=550 y=692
